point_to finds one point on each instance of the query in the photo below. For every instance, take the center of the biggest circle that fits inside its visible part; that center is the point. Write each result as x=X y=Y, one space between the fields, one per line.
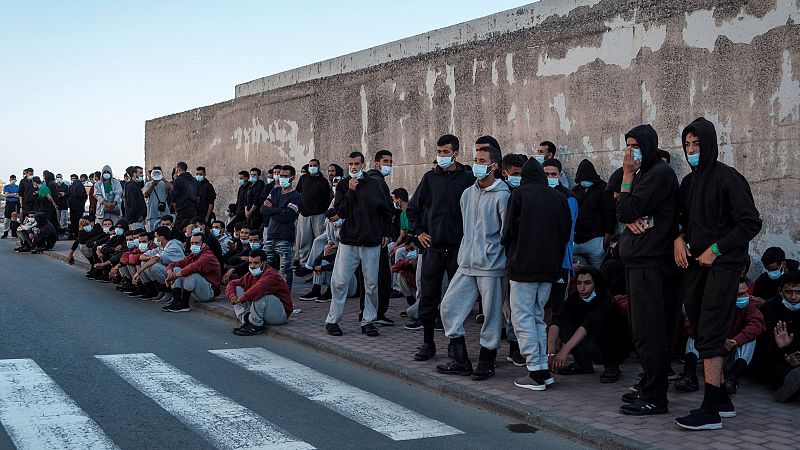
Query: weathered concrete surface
x=579 y=73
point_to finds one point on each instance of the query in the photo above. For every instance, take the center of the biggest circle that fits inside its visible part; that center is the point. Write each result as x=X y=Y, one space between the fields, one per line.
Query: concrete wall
x=579 y=73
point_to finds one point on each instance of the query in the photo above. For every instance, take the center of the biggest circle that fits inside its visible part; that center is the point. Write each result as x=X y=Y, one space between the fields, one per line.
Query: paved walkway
x=578 y=406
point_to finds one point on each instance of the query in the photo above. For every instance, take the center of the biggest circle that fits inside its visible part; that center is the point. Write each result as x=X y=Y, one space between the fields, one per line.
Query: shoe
x=517 y=359
x=610 y=374
x=159 y=296
x=631 y=397
x=325 y=297
x=527 y=382
x=403 y=314
x=370 y=330
x=642 y=408
x=731 y=384
x=791 y=384
x=5 y=235
x=425 y=352
x=384 y=321
x=150 y=294
x=137 y=292
x=128 y=288
x=333 y=329
x=396 y=294
x=303 y=271
x=671 y=375
x=176 y=308
x=166 y=299
x=574 y=369
x=687 y=382
x=698 y=420
x=726 y=410
x=438 y=326
x=485 y=369
x=459 y=363
x=312 y=295
x=415 y=325
x=480 y=318
x=248 y=329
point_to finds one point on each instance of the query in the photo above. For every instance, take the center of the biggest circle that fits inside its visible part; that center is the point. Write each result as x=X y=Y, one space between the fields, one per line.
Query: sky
x=79 y=79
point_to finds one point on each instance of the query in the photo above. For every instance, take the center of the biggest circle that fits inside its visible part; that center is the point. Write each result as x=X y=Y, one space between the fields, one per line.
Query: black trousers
x=75 y=214
x=437 y=263
x=655 y=306
x=186 y=214
x=710 y=306
x=384 y=285
x=558 y=290
x=609 y=346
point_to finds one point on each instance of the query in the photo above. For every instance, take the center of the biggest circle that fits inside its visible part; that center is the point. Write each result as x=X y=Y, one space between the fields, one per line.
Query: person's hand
x=707 y=258
x=391 y=253
x=328 y=249
x=60 y=194
x=730 y=344
x=231 y=245
x=136 y=278
x=318 y=269
x=424 y=239
x=793 y=359
x=233 y=299
x=114 y=271
x=71 y=258
x=558 y=361
x=636 y=227
x=385 y=241
x=268 y=203
x=682 y=252
x=783 y=338
x=629 y=165
x=227 y=277
x=757 y=300
x=352 y=184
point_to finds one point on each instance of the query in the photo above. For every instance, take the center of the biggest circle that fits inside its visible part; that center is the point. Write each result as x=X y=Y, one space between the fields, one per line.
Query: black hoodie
x=135 y=206
x=435 y=207
x=596 y=209
x=654 y=195
x=46 y=236
x=315 y=194
x=367 y=216
x=537 y=228
x=716 y=205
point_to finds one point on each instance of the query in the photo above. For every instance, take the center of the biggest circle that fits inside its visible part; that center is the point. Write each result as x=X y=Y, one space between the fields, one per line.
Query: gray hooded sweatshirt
x=115 y=194
x=484 y=213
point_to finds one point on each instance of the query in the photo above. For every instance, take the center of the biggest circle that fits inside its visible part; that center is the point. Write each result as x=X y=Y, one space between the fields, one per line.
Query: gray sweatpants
x=317 y=249
x=156 y=272
x=527 y=314
x=268 y=310
x=196 y=284
x=459 y=300
x=348 y=257
x=308 y=228
x=507 y=313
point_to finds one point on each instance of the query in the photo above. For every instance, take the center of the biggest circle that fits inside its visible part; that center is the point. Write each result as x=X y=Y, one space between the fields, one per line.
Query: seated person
x=130 y=257
x=242 y=248
x=198 y=274
x=146 y=248
x=592 y=329
x=155 y=262
x=44 y=235
x=224 y=239
x=24 y=232
x=405 y=267
x=87 y=231
x=254 y=242
x=94 y=244
x=748 y=324
x=261 y=297
x=198 y=225
x=322 y=249
x=109 y=253
x=777 y=359
x=774 y=262
x=14 y=223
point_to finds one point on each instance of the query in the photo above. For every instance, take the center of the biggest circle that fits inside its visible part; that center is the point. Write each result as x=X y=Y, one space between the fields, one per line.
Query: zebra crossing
x=37 y=413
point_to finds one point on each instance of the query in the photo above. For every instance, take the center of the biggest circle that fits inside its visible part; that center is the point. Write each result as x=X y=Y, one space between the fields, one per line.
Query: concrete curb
x=530 y=415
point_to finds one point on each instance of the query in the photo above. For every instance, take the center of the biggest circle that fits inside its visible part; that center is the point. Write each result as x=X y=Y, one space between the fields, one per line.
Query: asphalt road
x=83 y=363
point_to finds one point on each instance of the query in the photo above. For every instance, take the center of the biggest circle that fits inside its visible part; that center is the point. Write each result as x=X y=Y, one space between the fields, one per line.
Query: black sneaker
x=370 y=330
x=698 y=420
x=425 y=352
x=631 y=397
x=333 y=329
x=384 y=321
x=438 y=326
x=574 y=369
x=248 y=329
x=528 y=382
x=517 y=359
x=403 y=314
x=136 y=292
x=610 y=374
x=176 y=308
x=671 y=375
x=484 y=371
x=453 y=367
x=396 y=294
x=303 y=271
x=325 y=297
x=311 y=295
x=5 y=235
x=415 y=325
x=643 y=408
x=687 y=382
x=731 y=385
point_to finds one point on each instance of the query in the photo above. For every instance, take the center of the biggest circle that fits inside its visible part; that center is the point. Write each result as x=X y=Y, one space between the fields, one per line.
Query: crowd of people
x=571 y=273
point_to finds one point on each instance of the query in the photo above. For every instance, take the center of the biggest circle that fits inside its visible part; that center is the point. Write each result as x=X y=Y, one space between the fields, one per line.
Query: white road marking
x=220 y=420
x=37 y=414
x=385 y=417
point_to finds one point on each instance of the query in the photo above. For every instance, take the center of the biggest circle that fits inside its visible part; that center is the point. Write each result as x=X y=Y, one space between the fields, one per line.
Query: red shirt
x=203 y=263
x=268 y=283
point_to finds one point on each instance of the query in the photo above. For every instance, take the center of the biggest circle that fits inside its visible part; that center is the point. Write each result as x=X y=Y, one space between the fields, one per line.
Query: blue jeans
x=278 y=248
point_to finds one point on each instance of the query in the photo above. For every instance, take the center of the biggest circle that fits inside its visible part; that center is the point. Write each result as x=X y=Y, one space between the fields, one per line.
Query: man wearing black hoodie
x=596 y=214
x=718 y=218
x=135 y=206
x=435 y=215
x=367 y=225
x=184 y=194
x=535 y=234
x=77 y=196
x=27 y=193
x=648 y=206
x=315 y=199
x=254 y=198
x=45 y=237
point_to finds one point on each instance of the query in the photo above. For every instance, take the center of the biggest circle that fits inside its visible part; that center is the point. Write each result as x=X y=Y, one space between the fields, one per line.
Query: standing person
x=135 y=206
x=239 y=216
x=435 y=215
x=382 y=168
x=92 y=199
x=315 y=198
x=597 y=214
x=558 y=292
x=254 y=198
x=481 y=268
x=718 y=218
x=27 y=194
x=77 y=204
x=44 y=200
x=108 y=196
x=49 y=180
x=547 y=151
x=184 y=194
x=280 y=210
x=155 y=193
x=206 y=195
x=367 y=221
x=535 y=236
x=61 y=197
x=648 y=206
x=11 y=196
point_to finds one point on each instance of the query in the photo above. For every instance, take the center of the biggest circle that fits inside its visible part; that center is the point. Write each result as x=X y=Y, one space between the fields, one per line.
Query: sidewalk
x=578 y=407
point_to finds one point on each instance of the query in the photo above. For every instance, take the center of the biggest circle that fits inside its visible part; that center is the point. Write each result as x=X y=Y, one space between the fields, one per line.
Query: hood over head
x=123 y=222
x=647 y=138
x=41 y=219
x=107 y=168
x=709 y=150
x=532 y=173
x=587 y=172
x=48 y=176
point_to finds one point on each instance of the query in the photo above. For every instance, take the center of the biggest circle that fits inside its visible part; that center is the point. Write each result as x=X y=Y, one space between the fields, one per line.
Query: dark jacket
x=62 y=202
x=206 y=195
x=255 y=195
x=435 y=207
x=27 y=194
x=85 y=238
x=135 y=206
x=46 y=237
x=367 y=217
x=282 y=215
x=184 y=193
x=654 y=195
x=595 y=316
x=765 y=287
x=769 y=361
x=77 y=196
x=241 y=198
x=596 y=209
x=315 y=192
x=716 y=204
x=537 y=228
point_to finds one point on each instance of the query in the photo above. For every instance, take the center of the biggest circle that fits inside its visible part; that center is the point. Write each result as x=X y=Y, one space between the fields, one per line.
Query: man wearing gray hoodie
x=481 y=268
x=108 y=192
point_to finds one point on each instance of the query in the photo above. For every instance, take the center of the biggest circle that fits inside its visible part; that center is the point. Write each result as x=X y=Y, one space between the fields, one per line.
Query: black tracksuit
x=135 y=206
x=367 y=217
x=716 y=207
x=315 y=194
x=27 y=196
x=435 y=209
x=77 y=203
x=184 y=196
x=255 y=197
x=384 y=269
x=206 y=195
x=652 y=277
x=596 y=209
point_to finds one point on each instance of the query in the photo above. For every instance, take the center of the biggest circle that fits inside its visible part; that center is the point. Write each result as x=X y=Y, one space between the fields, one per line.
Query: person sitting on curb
x=197 y=274
x=259 y=298
x=154 y=269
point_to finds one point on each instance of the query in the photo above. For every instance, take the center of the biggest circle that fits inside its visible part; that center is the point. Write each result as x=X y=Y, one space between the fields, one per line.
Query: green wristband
x=715 y=249
x=626 y=186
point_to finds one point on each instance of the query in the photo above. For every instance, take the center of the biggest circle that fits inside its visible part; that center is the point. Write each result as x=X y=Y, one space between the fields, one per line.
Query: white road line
x=390 y=419
x=37 y=414
x=220 y=420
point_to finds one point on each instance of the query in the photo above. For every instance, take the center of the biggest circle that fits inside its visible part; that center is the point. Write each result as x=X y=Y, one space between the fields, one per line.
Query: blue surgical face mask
x=199 y=177
x=357 y=174
x=741 y=302
x=480 y=171
x=106 y=176
x=106 y=229
x=131 y=244
x=276 y=177
x=256 y=271
x=339 y=223
x=241 y=182
x=539 y=158
x=587 y=184
x=444 y=161
x=791 y=306
x=119 y=231
x=195 y=248
x=637 y=155
x=143 y=247
x=313 y=170
x=514 y=180
x=196 y=230
x=253 y=179
x=255 y=245
x=552 y=182
x=216 y=232
x=590 y=297
x=412 y=254
x=88 y=228
x=693 y=160
x=386 y=170
x=285 y=182
x=775 y=274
